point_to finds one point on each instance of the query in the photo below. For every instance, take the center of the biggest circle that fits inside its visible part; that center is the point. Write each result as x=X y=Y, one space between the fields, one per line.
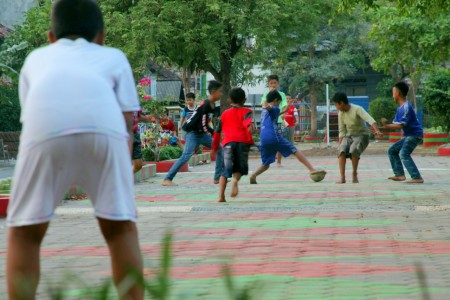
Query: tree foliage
x=436 y=97
x=217 y=36
x=334 y=52
x=382 y=108
x=9 y=108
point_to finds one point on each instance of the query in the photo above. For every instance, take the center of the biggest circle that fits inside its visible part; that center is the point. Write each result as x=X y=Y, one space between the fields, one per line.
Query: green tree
x=9 y=107
x=382 y=108
x=216 y=36
x=436 y=97
x=333 y=53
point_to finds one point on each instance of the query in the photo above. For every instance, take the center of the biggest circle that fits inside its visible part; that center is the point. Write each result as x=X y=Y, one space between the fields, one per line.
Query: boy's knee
x=31 y=233
x=112 y=229
x=404 y=155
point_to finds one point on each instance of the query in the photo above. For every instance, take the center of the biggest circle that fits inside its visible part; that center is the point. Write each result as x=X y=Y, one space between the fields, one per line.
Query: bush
x=169 y=152
x=382 y=108
x=436 y=98
x=5 y=186
x=9 y=108
x=148 y=154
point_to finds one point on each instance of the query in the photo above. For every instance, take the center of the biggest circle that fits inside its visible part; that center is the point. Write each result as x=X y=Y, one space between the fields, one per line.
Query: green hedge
x=165 y=153
x=382 y=108
x=9 y=108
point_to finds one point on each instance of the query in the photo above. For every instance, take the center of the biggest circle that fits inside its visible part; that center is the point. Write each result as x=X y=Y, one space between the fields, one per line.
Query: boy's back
x=269 y=129
x=73 y=87
x=234 y=124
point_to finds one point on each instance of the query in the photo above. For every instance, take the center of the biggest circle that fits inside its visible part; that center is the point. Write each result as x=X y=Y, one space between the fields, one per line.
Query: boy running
x=272 y=141
x=236 y=126
x=65 y=142
x=199 y=133
x=400 y=152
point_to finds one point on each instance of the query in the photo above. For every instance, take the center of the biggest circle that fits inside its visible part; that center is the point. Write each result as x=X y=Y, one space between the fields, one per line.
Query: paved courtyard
x=287 y=237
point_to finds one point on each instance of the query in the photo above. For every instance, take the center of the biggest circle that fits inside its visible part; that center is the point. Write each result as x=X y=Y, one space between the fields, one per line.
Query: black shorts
x=137 y=146
x=235 y=159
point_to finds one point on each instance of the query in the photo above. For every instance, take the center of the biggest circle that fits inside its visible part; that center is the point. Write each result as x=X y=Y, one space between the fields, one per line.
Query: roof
x=161 y=73
x=4 y=30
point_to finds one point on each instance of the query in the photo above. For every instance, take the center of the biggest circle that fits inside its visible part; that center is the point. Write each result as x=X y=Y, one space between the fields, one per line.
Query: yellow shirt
x=352 y=122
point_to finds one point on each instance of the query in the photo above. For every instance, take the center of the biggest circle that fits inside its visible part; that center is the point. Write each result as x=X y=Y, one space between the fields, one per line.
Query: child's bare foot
x=397 y=178
x=253 y=180
x=415 y=180
x=216 y=181
x=279 y=165
x=222 y=200
x=167 y=182
x=341 y=181
x=234 y=188
x=355 y=178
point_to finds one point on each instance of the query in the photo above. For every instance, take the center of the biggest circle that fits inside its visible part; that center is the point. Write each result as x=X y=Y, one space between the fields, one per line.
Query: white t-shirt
x=73 y=87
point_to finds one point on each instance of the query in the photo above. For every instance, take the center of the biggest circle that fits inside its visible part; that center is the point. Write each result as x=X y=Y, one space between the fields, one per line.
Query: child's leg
x=234 y=184
x=355 y=162
x=126 y=260
x=23 y=266
x=342 y=160
x=259 y=171
x=222 y=187
x=301 y=158
x=278 y=159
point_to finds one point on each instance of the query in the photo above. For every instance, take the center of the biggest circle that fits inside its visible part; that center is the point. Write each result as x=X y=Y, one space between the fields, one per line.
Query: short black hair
x=340 y=98
x=273 y=77
x=237 y=95
x=402 y=87
x=214 y=85
x=76 y=17
x=190 y=95
x=272 y=96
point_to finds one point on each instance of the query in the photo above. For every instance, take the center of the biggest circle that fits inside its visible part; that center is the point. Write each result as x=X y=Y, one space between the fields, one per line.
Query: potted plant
x=5 y=187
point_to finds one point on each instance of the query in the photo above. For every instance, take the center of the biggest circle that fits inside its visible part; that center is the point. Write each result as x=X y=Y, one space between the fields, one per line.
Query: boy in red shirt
x=290 y=119
x=236 y=126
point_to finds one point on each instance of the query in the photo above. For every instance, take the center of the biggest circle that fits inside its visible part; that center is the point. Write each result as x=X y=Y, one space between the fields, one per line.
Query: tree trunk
x=186 y=80
x=226 y=87
x=313 y=98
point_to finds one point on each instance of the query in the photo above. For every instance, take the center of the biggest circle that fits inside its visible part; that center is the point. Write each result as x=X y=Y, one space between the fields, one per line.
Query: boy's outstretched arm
x=128 y=116
x=390 y=126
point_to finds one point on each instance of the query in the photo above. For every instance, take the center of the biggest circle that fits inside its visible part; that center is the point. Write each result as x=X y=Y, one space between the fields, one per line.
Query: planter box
x=148 y=170
x=434 y=139
x=444 y=151
x=165 y=165
x=4 y=201
x=199 y=158
x=310 y=139
x=395 y=136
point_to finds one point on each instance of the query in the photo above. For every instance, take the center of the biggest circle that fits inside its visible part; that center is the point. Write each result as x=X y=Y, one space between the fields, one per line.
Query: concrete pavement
x=287 y=237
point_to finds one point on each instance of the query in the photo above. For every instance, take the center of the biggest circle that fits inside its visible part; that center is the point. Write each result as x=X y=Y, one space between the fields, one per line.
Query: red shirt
x=234 y=124
x=167 y=127
x=290 y=116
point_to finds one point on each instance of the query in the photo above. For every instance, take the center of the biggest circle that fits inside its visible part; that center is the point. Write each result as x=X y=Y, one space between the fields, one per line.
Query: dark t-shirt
x=234 y=124
x=199 y=120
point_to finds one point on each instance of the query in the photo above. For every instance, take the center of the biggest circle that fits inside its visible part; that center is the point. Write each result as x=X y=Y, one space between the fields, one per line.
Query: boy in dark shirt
x=199 y=133
x=236 y=126
x=272 y=141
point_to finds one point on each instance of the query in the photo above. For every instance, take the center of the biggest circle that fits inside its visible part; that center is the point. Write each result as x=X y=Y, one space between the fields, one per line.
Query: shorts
x=98 y=163
x=269 y=151
x=353 y=146
x=137 y=146
x=235 y=159
x=290 y=133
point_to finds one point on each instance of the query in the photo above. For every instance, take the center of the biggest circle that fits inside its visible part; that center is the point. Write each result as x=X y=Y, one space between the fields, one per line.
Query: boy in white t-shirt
x=66 y=141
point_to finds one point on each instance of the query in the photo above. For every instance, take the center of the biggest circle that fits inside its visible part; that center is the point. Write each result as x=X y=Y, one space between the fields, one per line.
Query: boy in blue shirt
x=400 y=152
x=271 y=139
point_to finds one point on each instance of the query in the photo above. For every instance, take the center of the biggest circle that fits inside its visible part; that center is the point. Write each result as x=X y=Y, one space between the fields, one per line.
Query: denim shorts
x=235 y=159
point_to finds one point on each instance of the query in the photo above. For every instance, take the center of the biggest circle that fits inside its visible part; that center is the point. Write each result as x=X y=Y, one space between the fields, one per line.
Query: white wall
x=12 y=12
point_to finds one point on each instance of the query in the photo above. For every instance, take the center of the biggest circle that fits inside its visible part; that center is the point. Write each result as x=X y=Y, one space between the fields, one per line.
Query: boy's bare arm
x=128 y=116
x=390 y=126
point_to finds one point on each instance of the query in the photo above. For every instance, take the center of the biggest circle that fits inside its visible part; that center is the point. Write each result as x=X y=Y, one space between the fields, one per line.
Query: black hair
x=237 y=95
x=273 y=77
x=190 y=95
x=214 y=86
x=272 y=96
x=402 y=87
x=340 y=98
x=76 y=17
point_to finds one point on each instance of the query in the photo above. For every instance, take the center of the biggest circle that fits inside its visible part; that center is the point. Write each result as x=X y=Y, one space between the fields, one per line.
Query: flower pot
x=395 y=136
x=435 y=139
x=4 y=201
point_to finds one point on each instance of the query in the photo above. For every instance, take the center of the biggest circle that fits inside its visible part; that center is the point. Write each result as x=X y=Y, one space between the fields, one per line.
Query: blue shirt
x=269 y=126
x=407 y=117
